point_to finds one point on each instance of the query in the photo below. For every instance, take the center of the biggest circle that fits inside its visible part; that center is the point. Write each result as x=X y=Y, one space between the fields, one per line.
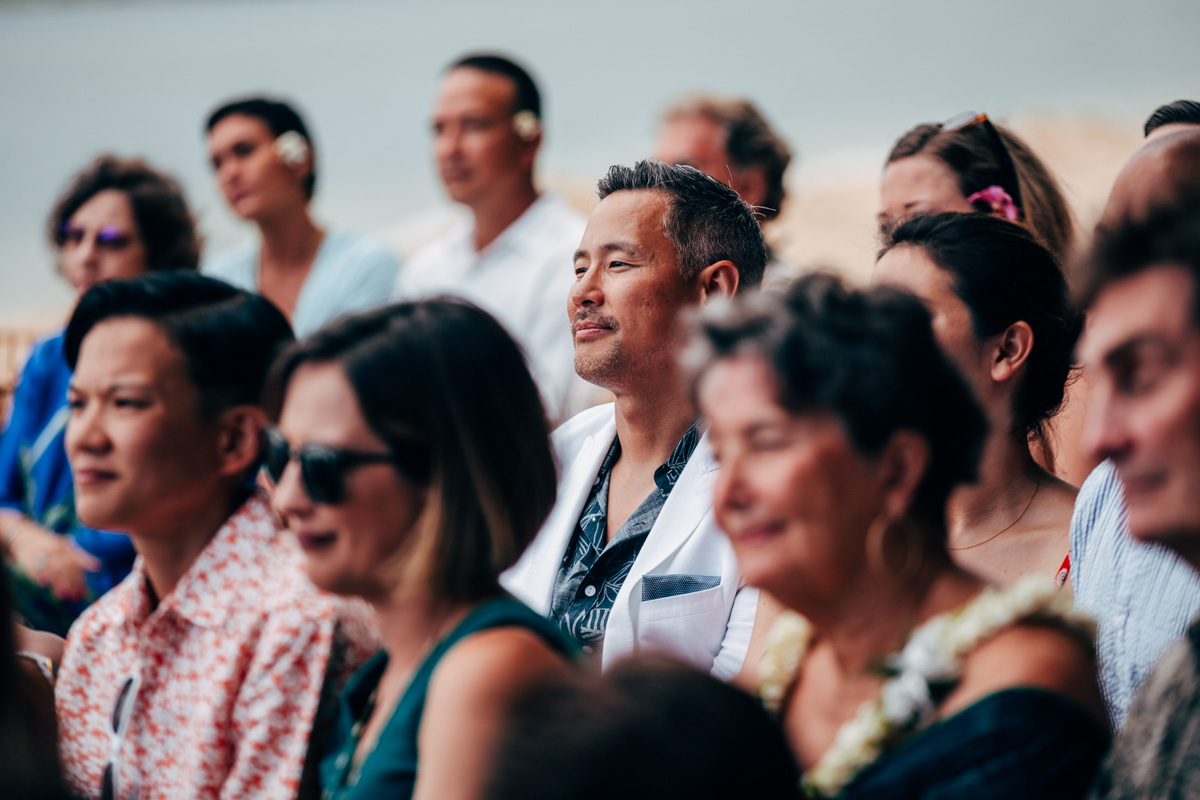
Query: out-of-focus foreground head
x=1172 y=117
x=729 y=139
x=1164 y=171
x=1142 y=347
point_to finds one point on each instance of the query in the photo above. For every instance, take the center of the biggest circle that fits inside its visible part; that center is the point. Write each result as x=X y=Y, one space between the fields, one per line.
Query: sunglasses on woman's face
x=110 y=237
x=323 y=469
x=969 y=119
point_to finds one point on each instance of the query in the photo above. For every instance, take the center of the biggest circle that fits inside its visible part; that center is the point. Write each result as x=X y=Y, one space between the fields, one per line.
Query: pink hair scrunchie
x=998 y=202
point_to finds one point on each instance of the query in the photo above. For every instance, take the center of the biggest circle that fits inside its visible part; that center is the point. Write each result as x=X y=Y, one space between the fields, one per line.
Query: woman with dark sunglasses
x=412 y=461
x=967 y=163
x=117 y=219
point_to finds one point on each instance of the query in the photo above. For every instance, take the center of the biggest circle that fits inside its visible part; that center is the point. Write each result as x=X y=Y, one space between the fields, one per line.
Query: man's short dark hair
x=706 y=221
x=228 y=337
x=1168 y=236
x=526 y=96
x=750 y=141
x=1185 y=112
x=279 y=117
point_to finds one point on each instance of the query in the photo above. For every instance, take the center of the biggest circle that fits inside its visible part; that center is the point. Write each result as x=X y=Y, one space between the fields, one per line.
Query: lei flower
x=292 y=148
x=934 y=654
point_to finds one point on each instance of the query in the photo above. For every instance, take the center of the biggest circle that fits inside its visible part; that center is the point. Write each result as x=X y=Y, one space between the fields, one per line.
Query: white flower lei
x=933 y=653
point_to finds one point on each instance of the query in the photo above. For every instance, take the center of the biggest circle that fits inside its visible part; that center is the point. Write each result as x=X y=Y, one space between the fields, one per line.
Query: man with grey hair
x=630 y=559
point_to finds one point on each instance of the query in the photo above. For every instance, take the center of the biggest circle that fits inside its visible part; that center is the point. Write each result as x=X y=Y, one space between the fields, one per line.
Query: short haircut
x=443 y=377
x=165 y=226
x=870 y=359
x=706 y=221
x=526 y=96
x=972 y=157
x=646 y=729
x=1003 y=275
x=1185 y=112
x=1167 y=236
x=749 y=140
x=228 y=337
x=279 y=117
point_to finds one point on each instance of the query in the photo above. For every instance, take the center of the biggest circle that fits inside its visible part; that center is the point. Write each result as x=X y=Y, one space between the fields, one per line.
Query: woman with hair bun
x=1001 y=313
x=266 y=166
x=840 y=431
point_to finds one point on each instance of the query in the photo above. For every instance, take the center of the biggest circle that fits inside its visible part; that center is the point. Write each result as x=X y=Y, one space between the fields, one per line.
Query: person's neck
x=289 y=241
x=650 y=425
x=500 y=209
x=1008 y=476
x=411 y=624
x=874 y=618
x=167 y=555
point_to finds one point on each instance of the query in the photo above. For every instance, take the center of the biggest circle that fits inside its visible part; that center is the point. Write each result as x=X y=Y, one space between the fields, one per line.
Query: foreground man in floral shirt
x=203 y=673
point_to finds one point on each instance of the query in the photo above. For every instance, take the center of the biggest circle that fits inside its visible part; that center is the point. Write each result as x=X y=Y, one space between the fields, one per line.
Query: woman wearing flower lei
x=840 y=430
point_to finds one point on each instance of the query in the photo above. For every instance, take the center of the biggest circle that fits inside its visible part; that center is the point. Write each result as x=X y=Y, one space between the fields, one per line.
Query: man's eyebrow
x=1126 y=349
x=115 y=386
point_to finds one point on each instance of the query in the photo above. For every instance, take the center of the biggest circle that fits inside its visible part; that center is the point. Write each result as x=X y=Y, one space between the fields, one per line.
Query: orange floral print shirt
x=233 y=668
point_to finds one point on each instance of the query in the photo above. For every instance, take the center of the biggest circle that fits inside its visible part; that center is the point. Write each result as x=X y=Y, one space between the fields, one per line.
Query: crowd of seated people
x=297 y=520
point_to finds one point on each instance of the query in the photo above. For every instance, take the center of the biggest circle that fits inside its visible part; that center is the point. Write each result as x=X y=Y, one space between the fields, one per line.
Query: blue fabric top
x=390 y=770
x=35 y=478
x=1142 y=595
x=593 y=570
x=351 y=273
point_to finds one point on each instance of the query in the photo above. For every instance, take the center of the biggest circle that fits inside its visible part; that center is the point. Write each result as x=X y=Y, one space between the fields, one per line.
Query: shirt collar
x=670 y=470
x=523 y=227
x=206 y=593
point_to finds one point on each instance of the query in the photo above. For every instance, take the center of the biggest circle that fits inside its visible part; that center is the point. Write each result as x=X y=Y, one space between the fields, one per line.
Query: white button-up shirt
x=522 y=279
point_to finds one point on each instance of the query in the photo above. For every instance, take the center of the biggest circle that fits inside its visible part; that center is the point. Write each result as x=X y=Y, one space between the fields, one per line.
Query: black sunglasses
x=323 y=469
x=969 y=119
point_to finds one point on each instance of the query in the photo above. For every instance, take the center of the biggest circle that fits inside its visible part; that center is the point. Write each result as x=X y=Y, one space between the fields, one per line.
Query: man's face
x=1143 y=348
x=479 y=155
x=143 y=456
x=699 y=141
x=628 y=292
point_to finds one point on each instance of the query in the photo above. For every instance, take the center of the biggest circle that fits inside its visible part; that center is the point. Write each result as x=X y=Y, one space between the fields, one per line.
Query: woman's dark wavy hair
x=165 y=226
x=1003 y=275
x=870 y=358
x=443 y=378
x=970 y=154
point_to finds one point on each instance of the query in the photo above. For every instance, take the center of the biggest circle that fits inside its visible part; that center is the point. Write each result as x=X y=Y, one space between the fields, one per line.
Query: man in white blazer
x=631 y=560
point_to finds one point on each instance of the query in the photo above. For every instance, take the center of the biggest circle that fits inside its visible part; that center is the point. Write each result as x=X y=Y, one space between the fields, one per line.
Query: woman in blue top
x=266 y=167
x=117 y=219
x=416 y=501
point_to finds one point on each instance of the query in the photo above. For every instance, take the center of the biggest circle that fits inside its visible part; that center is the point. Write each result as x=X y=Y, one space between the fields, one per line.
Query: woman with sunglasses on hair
x=967 y=163
x=840 y=431
x=1002 y=314
x=118 y=218
x=265 y=164
x=416 y=501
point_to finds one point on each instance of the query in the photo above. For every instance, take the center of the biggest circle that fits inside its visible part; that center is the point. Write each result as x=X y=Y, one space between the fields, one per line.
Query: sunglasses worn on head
x=111 y=237
x=323 y=469
x=969 y=119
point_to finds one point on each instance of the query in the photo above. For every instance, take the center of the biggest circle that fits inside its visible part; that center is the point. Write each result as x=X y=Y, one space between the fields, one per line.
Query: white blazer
x=684 y=594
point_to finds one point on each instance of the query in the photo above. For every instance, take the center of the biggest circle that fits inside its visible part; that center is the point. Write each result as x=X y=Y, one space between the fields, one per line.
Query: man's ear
x=751 y=185
x=1011 y=350
x=240 y=431
x=718 y=280
x=904 y=462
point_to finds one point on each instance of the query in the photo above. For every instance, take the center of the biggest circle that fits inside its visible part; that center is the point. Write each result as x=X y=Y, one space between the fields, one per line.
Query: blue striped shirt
x=1142 y=595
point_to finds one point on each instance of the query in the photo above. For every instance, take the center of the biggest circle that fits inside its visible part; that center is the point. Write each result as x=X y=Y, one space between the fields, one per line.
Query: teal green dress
x=390 y=770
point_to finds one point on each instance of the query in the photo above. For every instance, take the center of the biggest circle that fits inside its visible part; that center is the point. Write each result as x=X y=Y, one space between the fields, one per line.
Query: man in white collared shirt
x=631 y=560
x=512 y=257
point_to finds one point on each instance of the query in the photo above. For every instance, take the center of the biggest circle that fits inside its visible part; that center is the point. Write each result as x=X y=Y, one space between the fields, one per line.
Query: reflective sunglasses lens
x=277 y=456
x=112 y=237
x=963 y=120
x=321 y=471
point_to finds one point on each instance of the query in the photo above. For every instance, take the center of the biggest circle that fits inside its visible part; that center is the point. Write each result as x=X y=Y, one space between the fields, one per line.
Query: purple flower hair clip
x=997 y=202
